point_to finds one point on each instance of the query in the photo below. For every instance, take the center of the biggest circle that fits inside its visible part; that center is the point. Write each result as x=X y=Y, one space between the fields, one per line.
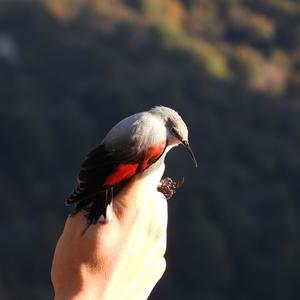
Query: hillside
x=69 y=70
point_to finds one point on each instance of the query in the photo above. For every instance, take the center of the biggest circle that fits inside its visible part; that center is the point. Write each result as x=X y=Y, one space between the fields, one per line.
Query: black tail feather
x=95 y=210
x=94 y=204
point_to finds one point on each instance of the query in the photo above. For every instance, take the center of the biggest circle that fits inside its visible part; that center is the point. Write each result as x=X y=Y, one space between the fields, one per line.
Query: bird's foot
x=169 y=187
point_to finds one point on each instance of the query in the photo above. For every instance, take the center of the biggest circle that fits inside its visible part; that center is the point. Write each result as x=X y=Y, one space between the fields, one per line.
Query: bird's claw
x=169 y=187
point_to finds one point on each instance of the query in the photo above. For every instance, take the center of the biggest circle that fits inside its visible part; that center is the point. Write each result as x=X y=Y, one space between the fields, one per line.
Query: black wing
x=98 y=164
x=90 y=192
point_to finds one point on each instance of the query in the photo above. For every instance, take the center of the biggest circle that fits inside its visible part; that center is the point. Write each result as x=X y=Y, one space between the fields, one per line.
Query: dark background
x=69 y=70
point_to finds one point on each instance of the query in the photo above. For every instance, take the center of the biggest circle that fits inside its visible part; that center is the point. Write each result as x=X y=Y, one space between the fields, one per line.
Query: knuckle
x=163 y=264
x=162 y=267
x=156 y=231
x=163 y=247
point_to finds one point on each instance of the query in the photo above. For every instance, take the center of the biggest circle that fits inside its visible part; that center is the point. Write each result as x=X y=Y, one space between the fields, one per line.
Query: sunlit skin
x=121 y=259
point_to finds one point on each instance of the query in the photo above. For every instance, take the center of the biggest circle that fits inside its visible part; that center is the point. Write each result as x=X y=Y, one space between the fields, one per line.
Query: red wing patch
x=153 y=153
x=122 y=172
x=125 y=171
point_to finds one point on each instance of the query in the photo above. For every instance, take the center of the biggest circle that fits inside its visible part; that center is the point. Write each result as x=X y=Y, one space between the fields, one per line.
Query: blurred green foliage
x=69 y=70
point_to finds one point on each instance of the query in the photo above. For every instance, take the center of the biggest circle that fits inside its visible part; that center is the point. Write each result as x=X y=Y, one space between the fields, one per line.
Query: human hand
x=121 y=259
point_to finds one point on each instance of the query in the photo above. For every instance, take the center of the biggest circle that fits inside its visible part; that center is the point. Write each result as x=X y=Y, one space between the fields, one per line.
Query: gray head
x=177 y=132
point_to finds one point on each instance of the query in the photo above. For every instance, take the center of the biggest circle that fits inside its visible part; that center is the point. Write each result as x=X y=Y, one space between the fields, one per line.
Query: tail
x=94 y=204
x=93 y=200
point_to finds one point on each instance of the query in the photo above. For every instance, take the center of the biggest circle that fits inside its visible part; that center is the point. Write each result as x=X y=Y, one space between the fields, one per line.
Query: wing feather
x=102 y=169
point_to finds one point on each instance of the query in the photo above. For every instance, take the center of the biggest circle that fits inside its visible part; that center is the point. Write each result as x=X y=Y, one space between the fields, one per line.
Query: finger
x=147 y=234
x=137 y=193
x=160 y=209
x=151 y=247
x=157 y=217
x=146 y=239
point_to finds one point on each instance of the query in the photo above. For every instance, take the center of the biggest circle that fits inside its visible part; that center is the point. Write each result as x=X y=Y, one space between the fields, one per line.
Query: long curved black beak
x=190 y=151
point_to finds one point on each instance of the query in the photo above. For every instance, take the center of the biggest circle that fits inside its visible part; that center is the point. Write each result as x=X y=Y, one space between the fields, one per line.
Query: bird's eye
x=173 y=130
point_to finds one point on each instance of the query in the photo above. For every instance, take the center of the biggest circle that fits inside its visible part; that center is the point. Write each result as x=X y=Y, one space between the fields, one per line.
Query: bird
x=138 y=144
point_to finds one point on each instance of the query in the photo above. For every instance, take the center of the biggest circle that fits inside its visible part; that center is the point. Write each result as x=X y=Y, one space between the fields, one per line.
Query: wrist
x=81 y=287
x=82 y=293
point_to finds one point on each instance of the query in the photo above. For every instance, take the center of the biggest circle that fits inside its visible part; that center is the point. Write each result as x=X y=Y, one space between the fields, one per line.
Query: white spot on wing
x=109 y=212
x=102 y=219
